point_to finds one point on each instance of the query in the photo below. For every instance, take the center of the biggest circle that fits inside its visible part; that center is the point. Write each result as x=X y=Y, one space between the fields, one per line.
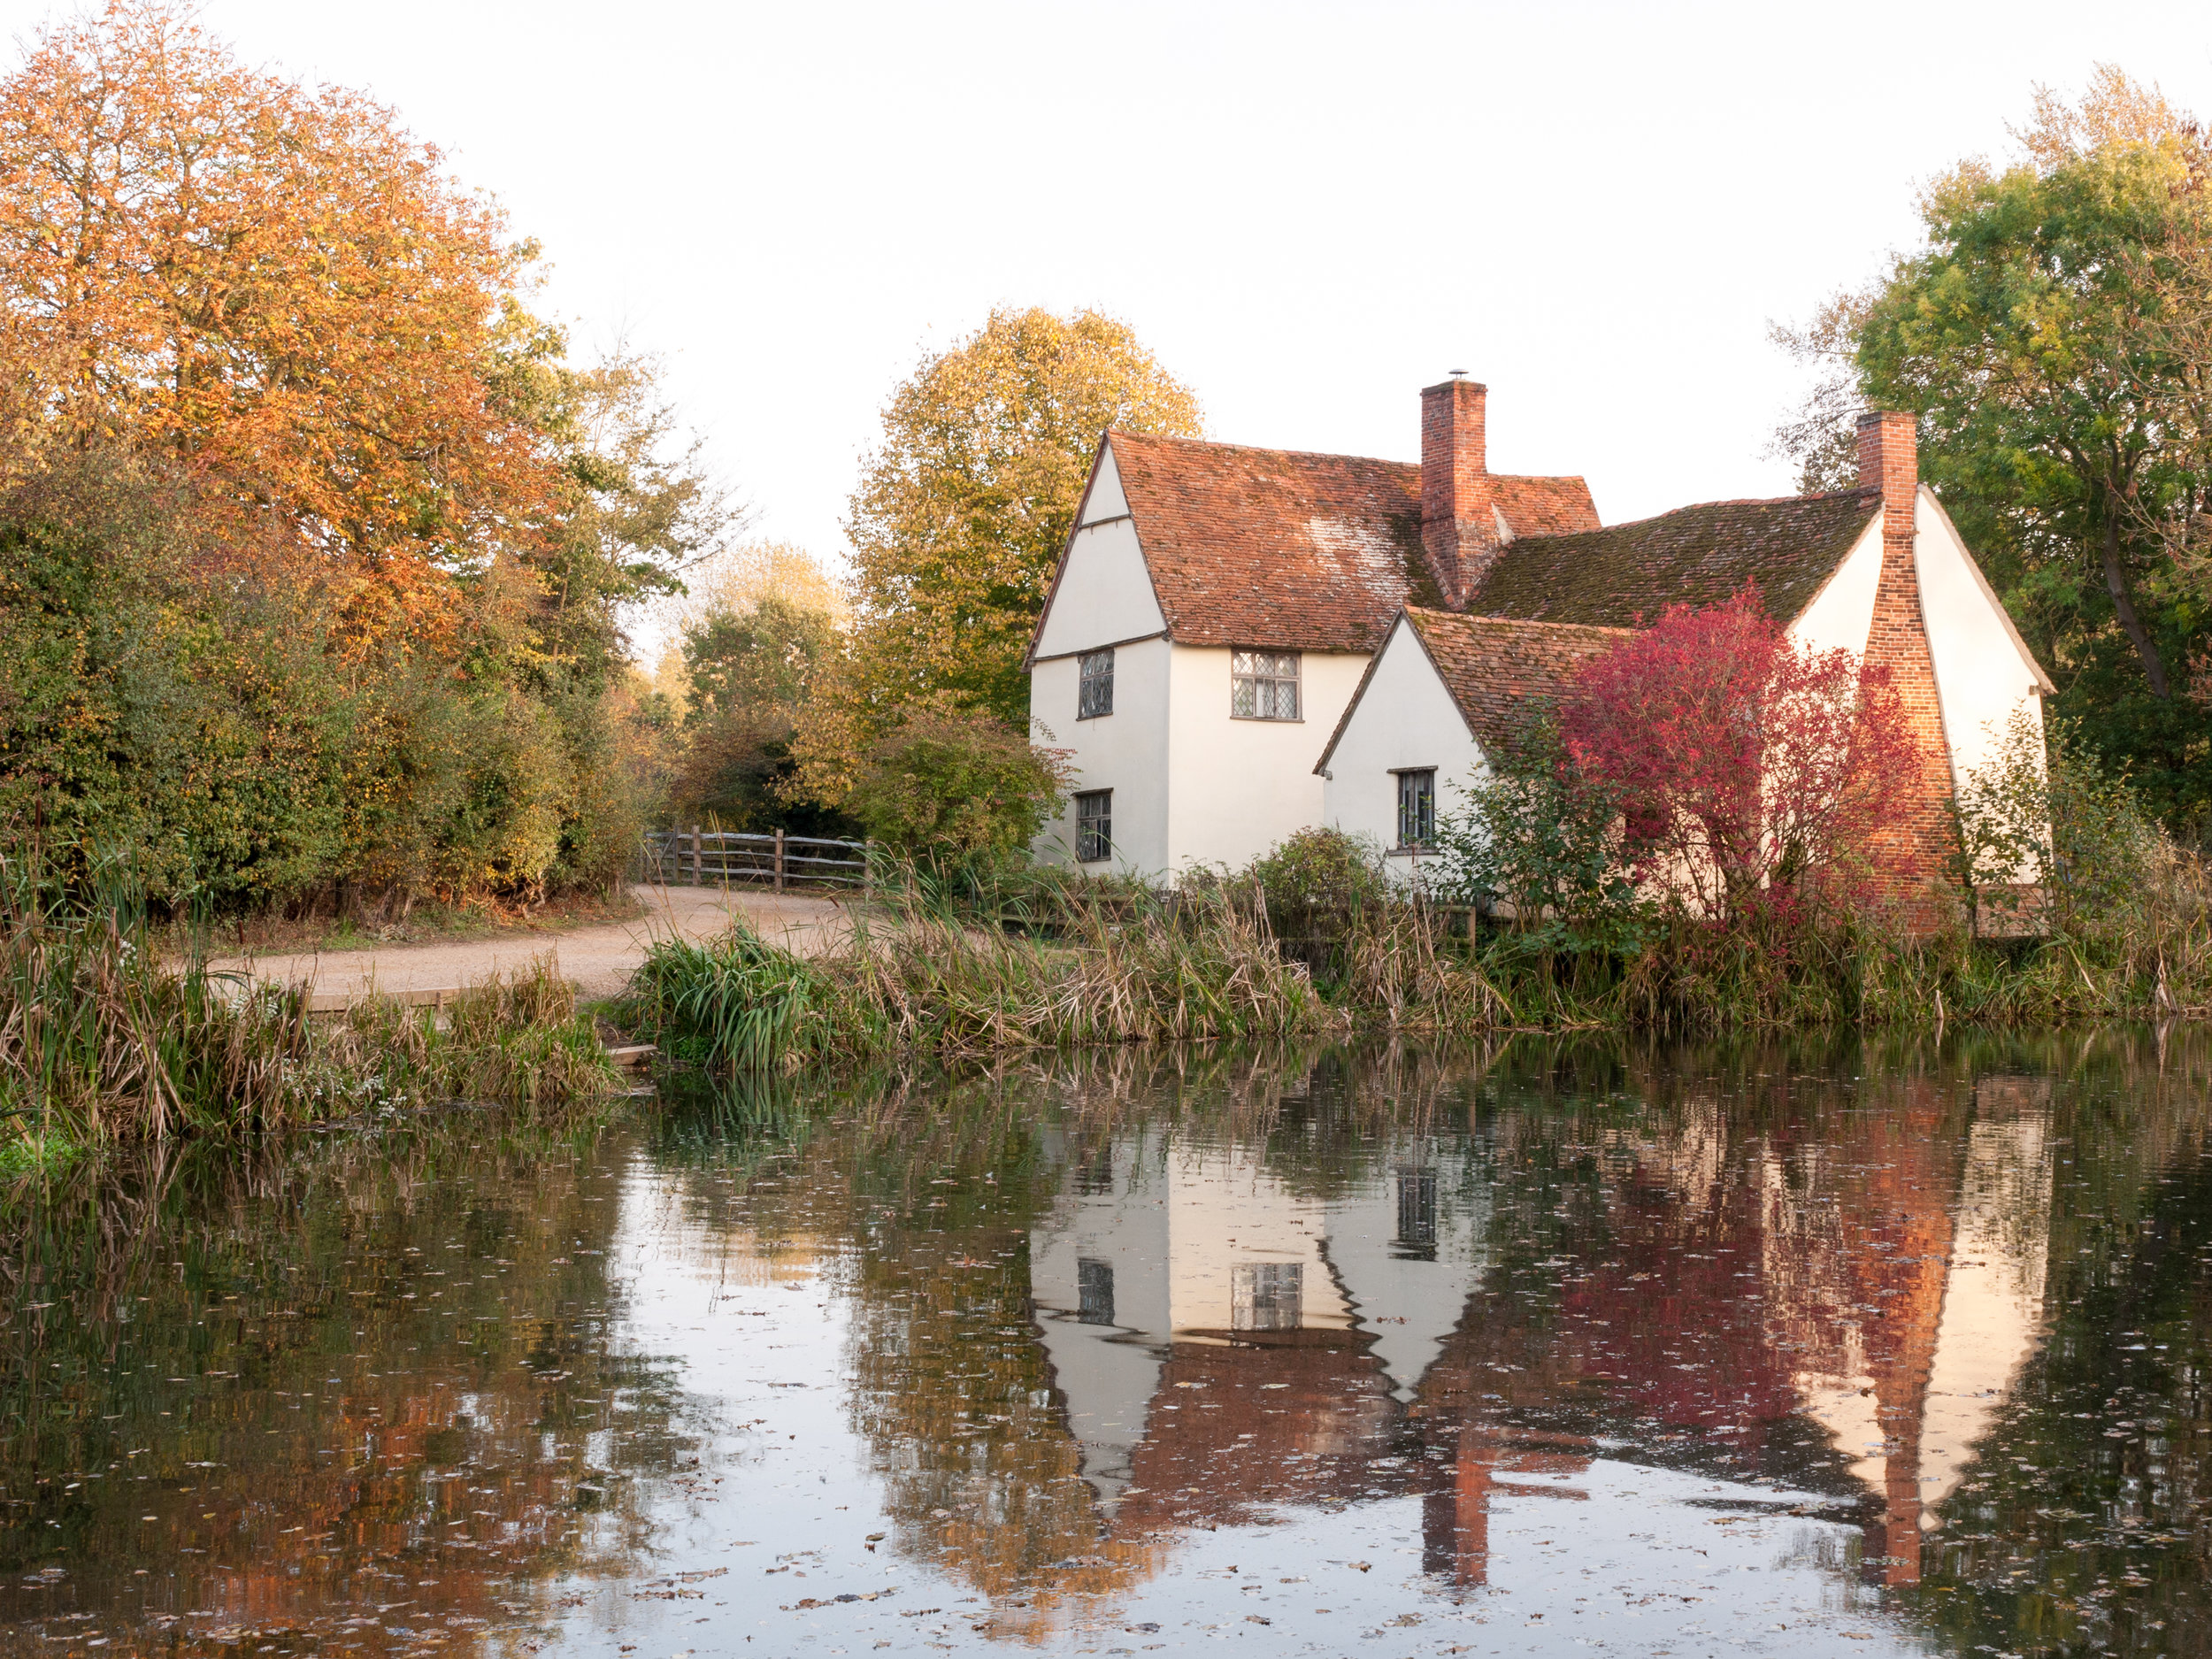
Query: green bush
x=1536 y=848
x=221 y=730
x=1317 y=881
x=953 y=791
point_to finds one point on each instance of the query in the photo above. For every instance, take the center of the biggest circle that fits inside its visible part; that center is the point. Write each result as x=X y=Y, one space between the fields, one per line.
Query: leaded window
x=1266 y=1295
x=1417 y=808
x=1094 y=1291
x=1095 y=682
x=1094 y=826
x=1264 y=685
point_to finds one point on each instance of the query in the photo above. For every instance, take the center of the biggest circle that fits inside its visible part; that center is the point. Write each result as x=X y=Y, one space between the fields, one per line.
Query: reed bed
x=1202 y=965
x=103 y=1042
x=1061 y=965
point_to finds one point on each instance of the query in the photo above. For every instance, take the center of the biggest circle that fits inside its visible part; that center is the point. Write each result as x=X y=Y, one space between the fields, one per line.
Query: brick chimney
x=1919 y=841
x=1459 y=524
x=1889 y=460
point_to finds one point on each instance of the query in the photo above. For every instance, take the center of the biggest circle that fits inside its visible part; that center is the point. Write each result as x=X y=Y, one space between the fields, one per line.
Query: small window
x=1094 y=1291
x=1094 y=826
x=1266 y=1295
x=1095 y=695
x=1264 y=685
x=1416 y=1209
x=1417 y=808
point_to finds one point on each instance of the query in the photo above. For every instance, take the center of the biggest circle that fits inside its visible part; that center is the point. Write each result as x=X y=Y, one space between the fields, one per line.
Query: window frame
x=1090 y=703
x=1098 y=837
x=1420 y=843
x=1245 y=669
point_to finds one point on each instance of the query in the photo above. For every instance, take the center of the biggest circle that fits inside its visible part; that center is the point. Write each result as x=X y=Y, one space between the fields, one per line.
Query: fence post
x=698 y=863
x=779 y=858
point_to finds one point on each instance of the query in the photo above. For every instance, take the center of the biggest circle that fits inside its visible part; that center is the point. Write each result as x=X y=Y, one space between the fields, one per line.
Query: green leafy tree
x=767 y=656
x=2044 y=334
x=956 y=791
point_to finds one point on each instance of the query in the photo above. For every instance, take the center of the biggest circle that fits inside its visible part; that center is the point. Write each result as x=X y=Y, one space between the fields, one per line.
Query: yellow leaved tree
x=961 y=515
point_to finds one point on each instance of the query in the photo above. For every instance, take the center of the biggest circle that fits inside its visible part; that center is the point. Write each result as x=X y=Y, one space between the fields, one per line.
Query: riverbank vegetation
x=1697 y=838
x=104 y=1041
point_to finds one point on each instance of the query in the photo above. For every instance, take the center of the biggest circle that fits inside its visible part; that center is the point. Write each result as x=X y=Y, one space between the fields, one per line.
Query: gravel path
x=599 y=959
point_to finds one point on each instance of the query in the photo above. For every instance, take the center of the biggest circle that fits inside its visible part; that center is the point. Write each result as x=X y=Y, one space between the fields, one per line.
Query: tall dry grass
x=1122 y=966
x=103 y=1042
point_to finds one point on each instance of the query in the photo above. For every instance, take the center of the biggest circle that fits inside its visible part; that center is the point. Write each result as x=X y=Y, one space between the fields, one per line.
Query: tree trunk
x=2116 y=581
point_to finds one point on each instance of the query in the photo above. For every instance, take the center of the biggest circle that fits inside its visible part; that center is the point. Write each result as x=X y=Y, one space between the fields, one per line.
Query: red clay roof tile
x=1278 y=549
x=1499 y=671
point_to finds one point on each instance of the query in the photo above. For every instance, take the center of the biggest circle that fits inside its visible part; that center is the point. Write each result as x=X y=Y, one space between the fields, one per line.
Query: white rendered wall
x=1842 y=613
x=1105 y=593
x=1126 y=751
x=1107 y=1381
x=1105 y=500
x=1239 y=787
x=1224 y=1212
x=1981 y=676
x=1406 y=720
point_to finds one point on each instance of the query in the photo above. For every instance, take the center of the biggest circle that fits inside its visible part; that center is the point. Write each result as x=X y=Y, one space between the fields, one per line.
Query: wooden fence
x=718 y=857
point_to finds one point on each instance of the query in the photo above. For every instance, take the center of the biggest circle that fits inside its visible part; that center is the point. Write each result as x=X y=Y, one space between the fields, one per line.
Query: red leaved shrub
x=1752 y=772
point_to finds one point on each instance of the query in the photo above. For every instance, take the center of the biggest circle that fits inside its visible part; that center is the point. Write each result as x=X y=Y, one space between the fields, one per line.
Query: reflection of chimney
x=1459 y=523
x=1904 y=1267
x=1455 y=1517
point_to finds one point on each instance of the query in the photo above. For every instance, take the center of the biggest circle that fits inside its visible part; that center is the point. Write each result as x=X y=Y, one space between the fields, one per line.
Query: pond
x=1833 y=1349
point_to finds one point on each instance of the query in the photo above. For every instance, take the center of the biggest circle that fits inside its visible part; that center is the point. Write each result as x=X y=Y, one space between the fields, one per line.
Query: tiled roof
x=1499 y=671
x=1693 y=556
x=1276 y=549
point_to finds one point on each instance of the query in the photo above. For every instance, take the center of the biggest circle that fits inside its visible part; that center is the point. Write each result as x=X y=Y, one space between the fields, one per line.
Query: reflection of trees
x=2083 y=1524
x=393 y=1365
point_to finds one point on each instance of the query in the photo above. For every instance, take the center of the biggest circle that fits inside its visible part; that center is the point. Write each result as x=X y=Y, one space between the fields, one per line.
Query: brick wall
x=1918 y=846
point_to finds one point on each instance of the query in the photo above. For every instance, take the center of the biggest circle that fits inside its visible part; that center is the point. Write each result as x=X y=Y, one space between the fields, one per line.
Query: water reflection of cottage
x=1180 y=1289
x=1843 y=1308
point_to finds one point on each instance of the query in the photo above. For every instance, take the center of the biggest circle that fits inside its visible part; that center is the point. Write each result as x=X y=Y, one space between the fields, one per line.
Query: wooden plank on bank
x=339 y=1002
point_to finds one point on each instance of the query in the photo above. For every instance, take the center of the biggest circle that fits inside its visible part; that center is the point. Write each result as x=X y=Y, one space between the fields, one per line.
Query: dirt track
x=599 y=959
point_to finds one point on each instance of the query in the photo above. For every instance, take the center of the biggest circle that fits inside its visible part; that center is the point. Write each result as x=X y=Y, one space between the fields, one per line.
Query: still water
x=1864 y=1350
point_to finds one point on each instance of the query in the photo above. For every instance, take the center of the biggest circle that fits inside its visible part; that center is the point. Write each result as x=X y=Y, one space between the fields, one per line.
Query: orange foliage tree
x=274 y=288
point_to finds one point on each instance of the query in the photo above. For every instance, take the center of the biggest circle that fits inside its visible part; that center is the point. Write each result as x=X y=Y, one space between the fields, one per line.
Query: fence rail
x=698 y=856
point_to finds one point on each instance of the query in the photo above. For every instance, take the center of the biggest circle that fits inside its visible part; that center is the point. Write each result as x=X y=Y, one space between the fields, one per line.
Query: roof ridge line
x=1692 y=506
x=1319 y=455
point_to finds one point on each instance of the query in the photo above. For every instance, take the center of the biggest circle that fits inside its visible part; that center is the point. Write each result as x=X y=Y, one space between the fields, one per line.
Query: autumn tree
x=315 y=549
x=279 y=289
x=2053 y=334
x=1749 y=773
x=963 y=510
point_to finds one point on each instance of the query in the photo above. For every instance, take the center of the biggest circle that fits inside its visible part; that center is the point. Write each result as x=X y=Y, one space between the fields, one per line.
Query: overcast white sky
x=1308 y=212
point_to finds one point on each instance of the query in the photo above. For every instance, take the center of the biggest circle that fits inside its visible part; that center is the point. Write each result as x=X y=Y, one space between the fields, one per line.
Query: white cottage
x=1217 y=606
x=1241 y=643
x=1879 y=570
